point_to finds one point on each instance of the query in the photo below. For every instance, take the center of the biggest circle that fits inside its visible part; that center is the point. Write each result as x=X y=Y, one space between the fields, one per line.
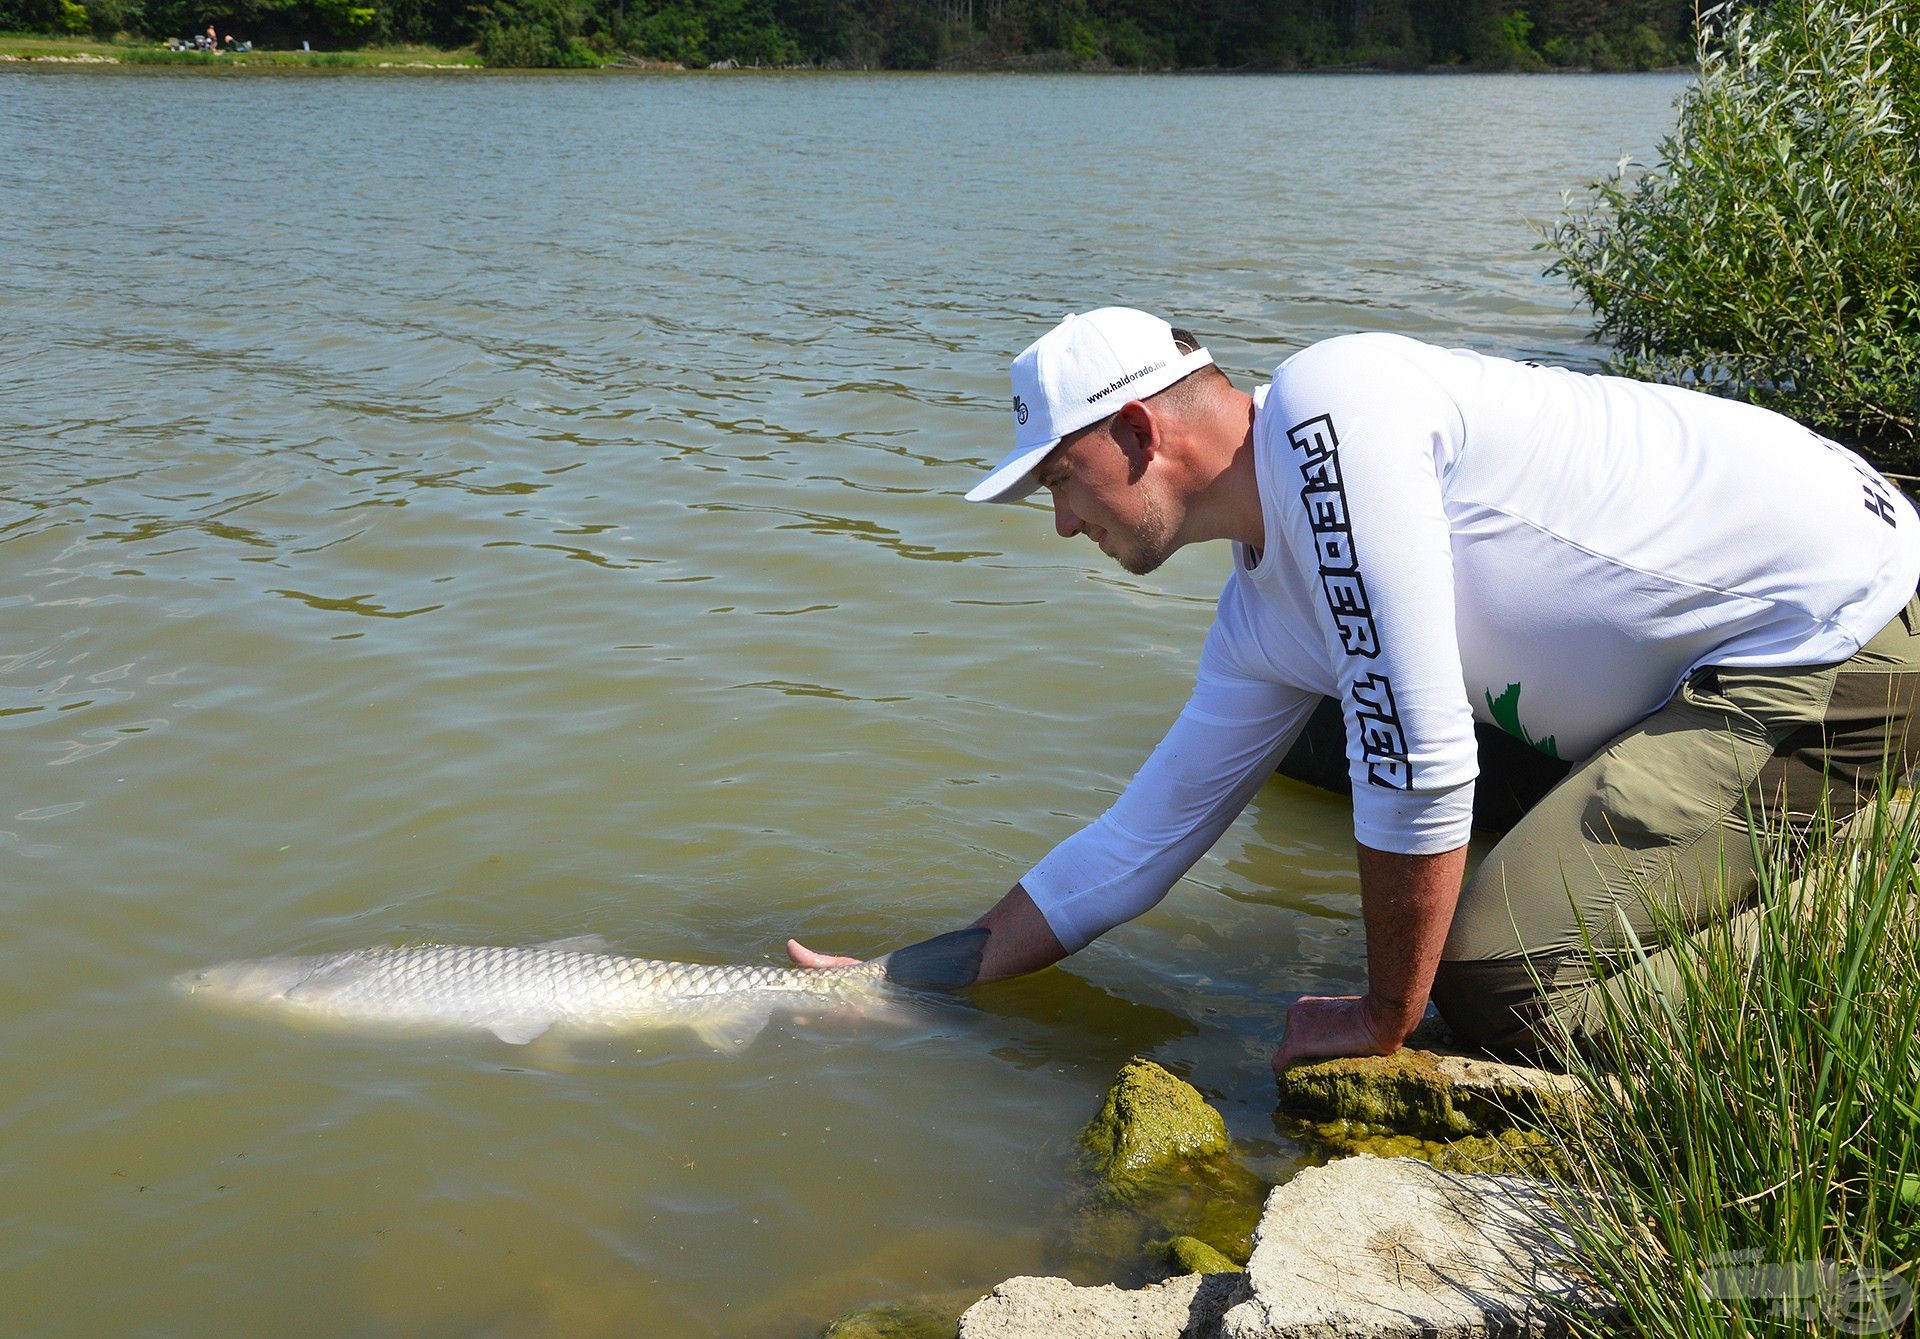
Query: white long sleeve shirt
x=1452 y=537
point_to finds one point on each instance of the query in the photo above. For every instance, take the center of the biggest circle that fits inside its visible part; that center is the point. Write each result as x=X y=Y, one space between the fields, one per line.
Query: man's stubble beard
x=1154 y=543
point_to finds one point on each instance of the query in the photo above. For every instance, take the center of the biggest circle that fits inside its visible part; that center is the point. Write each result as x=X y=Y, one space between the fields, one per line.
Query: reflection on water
x=482 y=518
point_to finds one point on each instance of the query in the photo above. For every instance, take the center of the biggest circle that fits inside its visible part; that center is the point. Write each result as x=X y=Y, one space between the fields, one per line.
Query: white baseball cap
x=1078 y=373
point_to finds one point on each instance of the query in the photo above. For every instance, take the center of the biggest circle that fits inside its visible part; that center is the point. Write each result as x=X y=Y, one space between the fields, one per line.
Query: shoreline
x=54 y=52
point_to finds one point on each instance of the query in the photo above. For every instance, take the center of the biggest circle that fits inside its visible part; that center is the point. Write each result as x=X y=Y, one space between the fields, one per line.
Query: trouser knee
x=1493 y=1004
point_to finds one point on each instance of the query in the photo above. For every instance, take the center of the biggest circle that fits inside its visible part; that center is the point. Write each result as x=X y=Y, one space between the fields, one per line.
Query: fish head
x=258 y=981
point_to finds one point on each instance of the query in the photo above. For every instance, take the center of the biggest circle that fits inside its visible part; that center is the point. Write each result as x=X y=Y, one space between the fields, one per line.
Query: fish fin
x=732 y=1029
x=520 y=1030
x=577 y=944
x=944 y=962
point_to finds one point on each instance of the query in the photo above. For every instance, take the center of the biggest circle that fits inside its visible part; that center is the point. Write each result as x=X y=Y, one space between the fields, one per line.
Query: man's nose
x=1064 y=521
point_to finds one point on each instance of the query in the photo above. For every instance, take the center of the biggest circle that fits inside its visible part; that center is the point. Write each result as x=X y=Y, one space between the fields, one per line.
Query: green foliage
x=342 y=19
x=747 y=33
x=533 y=34
x=1501 y=42
x=918 y=34
x=697 y=33
x=1773 y=253
x=111 y=17
x=73 y=18
x=914 y=41
x=1766 y=1114
x=675 y=34
x=517 y=46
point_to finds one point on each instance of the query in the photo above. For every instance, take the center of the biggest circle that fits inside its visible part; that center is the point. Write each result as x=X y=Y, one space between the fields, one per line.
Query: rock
x=1521 y=1152
x=1387 y=1248
x=1432 y=1095
x=1190 y=1255
x=1030 y=1308
x=1148 y=1120
x=1123 y=1238
x=1364 y=1248
x=920 y=1318
x=1157 y=1164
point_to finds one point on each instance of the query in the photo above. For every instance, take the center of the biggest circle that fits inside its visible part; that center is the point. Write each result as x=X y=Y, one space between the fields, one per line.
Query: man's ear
x=1136 y=430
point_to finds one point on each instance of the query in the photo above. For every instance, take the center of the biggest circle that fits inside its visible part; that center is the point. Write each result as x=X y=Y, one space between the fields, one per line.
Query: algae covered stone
x=1518 y=1152
x=1190 y=1255
x=1426 y=1095
x=919 y=1318
x=1156 y=1164
x=1148 y=1120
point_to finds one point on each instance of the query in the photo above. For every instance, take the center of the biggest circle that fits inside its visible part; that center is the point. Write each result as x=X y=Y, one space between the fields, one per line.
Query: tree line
x=924 y=34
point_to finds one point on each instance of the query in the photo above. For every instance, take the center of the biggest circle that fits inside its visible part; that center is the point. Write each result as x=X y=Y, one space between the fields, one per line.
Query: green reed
x=1747 y=1161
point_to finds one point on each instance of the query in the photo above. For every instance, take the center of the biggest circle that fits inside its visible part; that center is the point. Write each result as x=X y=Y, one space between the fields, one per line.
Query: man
x=1703 y=605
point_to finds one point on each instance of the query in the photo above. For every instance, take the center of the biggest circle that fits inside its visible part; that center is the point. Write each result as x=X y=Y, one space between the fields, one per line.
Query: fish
x=572 y=985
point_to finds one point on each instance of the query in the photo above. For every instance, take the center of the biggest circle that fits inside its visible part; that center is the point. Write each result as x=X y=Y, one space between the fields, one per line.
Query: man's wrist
x=1384 y=1022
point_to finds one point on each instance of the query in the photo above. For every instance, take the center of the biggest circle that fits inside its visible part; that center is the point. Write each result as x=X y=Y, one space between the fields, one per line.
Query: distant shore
x=29 y=49
x=48 y=51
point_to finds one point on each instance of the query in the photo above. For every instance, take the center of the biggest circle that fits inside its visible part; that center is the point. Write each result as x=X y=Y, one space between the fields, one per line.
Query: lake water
x=494 y=509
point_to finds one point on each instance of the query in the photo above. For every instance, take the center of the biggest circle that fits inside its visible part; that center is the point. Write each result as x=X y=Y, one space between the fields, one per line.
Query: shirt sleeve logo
x=1325 y=500
x=1383 y=744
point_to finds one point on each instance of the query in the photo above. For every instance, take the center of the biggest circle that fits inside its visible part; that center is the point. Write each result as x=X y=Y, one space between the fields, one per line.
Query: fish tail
x=945 y=962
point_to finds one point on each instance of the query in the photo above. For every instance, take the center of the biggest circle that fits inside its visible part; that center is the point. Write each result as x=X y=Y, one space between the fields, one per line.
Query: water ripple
x=733 y=339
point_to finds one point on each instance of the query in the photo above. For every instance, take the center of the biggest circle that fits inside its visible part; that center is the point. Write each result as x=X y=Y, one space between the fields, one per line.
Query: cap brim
x=1012 y=479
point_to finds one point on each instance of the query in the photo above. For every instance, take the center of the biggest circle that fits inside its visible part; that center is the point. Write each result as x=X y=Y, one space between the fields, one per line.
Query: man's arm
x=1021 y=941
x=1407 y=903
x=1218 y=752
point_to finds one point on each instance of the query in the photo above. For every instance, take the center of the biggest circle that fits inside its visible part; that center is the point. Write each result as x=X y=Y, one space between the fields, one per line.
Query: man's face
x=1096 y=493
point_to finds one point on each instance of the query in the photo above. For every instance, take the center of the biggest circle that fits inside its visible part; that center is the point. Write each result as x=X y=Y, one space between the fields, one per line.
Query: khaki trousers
x=1662 y=811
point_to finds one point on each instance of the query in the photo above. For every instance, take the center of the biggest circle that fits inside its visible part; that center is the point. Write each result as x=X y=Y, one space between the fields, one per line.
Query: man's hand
x=805 y=957
x=1020 y=941
x=1320 y=1027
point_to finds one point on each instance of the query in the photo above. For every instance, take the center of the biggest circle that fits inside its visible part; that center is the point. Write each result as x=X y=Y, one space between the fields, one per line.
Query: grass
x=1748 y=1160
x=29 y=46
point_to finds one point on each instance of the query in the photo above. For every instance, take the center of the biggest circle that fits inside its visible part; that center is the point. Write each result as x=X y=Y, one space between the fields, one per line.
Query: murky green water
x=496 y=509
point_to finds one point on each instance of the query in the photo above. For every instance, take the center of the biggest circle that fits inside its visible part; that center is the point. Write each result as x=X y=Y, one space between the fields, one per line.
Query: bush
x=915 y=41
x=113 y=17
x=1642 y=48
x=1747 y=1157
x=745 y=31
x=532 y=35
x=1773 y=253
x=1500 y=42
x=516 y=46
x=673 y=34
x=342 y=19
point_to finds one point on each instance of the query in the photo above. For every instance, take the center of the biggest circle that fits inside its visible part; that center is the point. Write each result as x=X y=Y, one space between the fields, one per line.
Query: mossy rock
x=1156 y=1164
x=933 y=1317
x=1190 y=1255
x=1426 y=1096
x=1124 y=1239
x=1149 y=1120
x=1520 y=1152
